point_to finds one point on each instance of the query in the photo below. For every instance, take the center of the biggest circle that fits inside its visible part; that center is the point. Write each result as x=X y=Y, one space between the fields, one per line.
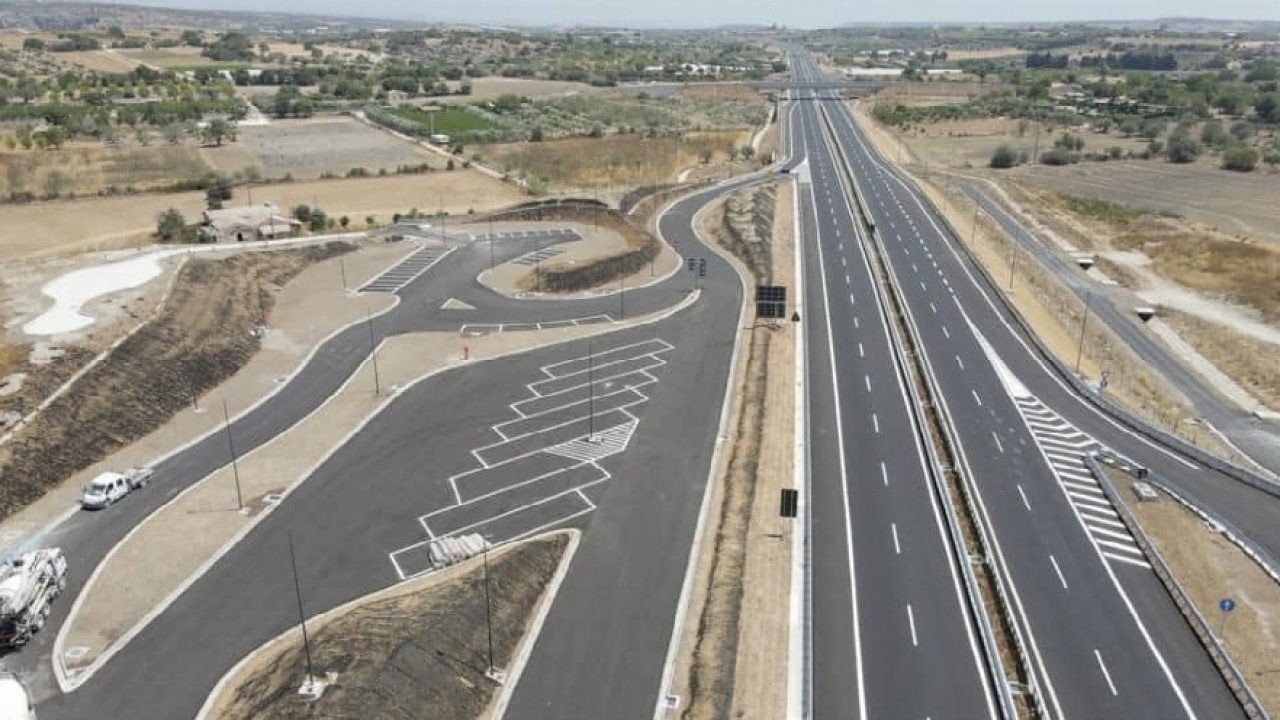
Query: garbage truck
x=28 y=585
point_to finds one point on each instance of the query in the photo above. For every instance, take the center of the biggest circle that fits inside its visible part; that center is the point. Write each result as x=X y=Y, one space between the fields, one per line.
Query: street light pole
x=373 y=353
x=302 y=615
x=235 y=467
x=591 y=392
x=488 y=607
x=1083 y=323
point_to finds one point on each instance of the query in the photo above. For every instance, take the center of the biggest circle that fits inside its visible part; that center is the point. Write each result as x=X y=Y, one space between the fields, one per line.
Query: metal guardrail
x=958 y=544
x=1231 y=673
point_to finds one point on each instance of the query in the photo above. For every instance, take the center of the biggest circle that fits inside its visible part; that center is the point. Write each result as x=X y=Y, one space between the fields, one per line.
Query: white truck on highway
x=109 y=487
x=28 y=585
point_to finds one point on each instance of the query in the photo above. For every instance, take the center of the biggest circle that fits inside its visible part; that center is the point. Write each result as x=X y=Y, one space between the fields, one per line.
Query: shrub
x=1213 y=134
x=1007 y=157
x=1240 y=158
x=1115 y=151
x=170 y=225
x=1182 y=148
x=1056 y=156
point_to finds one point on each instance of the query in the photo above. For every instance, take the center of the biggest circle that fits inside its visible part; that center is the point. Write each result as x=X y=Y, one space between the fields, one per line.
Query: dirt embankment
x=206 y=331
x=734 y=661
x=642 y=246
x=748 y=228
x=419 y=653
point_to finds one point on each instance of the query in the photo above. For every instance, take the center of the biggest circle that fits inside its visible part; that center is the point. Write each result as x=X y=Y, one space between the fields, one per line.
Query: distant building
x=252 y=222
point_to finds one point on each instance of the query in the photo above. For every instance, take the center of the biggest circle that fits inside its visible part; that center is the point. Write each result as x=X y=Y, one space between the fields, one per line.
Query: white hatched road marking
x=1065 y=447
x=407 y=270
x=551 y=497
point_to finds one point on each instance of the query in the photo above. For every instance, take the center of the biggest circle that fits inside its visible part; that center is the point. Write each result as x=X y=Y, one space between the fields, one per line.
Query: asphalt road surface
x=370 y=498
x=1106 y=640
x=1255 y=437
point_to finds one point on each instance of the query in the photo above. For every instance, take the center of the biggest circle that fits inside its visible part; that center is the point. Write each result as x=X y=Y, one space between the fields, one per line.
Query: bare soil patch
x=732 y=664
x=204 y=334
x=306 y=149
x=418 y=651
x=1210 y=567
x=491 y=87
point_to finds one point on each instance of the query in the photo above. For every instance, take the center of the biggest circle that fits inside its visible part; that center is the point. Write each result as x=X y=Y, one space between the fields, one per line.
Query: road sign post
x=1225 y=606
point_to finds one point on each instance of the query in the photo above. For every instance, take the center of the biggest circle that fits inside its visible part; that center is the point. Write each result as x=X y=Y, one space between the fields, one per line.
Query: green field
x=450 y=121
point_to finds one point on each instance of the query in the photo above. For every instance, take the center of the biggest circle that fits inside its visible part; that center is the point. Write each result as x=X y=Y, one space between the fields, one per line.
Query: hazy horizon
x=712 y=13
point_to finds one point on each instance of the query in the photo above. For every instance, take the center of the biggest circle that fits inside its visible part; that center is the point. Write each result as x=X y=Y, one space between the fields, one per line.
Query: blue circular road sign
x=1226 y=605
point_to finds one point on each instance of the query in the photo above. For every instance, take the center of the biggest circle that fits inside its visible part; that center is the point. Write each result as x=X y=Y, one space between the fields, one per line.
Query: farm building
x=253 y=222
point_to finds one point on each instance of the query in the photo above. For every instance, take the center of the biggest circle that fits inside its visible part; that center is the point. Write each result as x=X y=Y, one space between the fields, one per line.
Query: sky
x=791 y=13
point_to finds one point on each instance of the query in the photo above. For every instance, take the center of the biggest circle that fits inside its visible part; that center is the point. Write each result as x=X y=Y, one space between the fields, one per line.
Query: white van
x=109 y=487
x=15 y=704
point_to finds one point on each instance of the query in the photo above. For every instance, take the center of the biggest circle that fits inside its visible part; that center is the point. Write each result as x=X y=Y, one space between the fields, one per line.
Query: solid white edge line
x=691 y=567
x=69 y=684
x=798 y=649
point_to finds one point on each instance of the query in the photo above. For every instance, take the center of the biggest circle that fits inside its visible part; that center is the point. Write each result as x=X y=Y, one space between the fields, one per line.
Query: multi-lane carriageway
x=890 y=632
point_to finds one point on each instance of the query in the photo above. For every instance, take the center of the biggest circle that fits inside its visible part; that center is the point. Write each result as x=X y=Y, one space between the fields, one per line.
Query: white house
x=252 y=222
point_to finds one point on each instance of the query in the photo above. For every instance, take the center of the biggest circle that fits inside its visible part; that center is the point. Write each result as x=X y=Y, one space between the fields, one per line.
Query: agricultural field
x=1234 y=203
x=170 y=58
x=306 y=149
x=57 y=228
x=104 y=61
x=449 y=121
x=613 y=160
x=91 y=169
x=970 y=143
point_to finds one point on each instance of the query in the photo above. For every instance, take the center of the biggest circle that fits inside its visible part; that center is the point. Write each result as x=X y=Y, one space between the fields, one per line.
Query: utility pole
x=342 y=267
x=373 y=352
x=1013 y=260
x=622 y=297
x=235 y=467
x=302 y=615
x=1083 y=322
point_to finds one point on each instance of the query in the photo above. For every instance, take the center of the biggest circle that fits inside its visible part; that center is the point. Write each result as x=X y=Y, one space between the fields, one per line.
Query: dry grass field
x=106 y=61
x=55 y=228
x=169 y=57
x=983 y=53
x=1234 y=203
x=88 y=168
x=613 y=160
x=307 y=149
x=970 y=143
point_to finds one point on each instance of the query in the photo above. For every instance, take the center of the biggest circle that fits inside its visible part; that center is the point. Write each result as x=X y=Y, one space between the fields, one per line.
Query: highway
x=892 y=635
x=1105 y=639
x=1255 y=437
